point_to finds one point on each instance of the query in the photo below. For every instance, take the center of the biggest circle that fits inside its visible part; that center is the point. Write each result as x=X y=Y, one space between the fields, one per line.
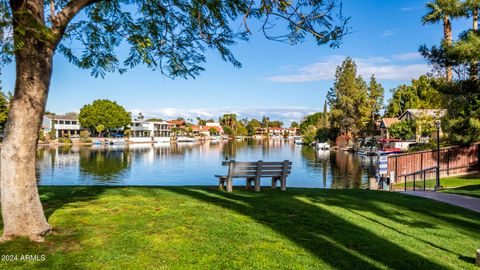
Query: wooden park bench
x=253 y=171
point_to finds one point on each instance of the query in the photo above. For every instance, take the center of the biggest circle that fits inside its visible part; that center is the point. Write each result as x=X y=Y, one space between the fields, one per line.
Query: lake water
x=196 y=164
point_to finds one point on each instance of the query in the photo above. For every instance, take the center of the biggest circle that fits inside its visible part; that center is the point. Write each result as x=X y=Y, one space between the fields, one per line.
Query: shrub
x=402 y=130
x=41 y=136
x=85 y=136
x=64 y=140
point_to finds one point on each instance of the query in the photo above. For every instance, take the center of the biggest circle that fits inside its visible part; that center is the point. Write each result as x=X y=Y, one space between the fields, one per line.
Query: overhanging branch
x=61 y=20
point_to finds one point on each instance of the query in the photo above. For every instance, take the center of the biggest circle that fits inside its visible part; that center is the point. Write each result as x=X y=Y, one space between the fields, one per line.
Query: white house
x=150 y=131
x=64 y=125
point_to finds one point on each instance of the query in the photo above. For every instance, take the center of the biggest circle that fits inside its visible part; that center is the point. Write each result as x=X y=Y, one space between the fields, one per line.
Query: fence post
x=414 y=178
x=478 y=155
x=424 y=172
x=396 y=168
x=421 y=161
x=405 y=181
x=448 y=162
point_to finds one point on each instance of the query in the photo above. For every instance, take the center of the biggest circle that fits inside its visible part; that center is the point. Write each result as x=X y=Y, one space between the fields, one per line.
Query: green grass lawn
x=468 y=185
x=203 y=228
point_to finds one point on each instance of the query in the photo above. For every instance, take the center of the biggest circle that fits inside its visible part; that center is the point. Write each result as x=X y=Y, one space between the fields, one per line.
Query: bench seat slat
x=240 y=163
x=261 y=173
x=254 y=167
x=253 y=175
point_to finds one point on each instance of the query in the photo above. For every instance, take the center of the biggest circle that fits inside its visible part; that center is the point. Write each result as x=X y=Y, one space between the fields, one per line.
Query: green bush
x=404 y=130
x=432 y=145
x=41 y=136
x=64 y=140
x=85 y=136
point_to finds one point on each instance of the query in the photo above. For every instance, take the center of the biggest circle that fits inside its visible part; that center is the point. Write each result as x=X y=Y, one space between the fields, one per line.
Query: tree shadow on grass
x=53 y=198
x=400 y=202
x=56 y=197
x=471 y=187
x=331 y=238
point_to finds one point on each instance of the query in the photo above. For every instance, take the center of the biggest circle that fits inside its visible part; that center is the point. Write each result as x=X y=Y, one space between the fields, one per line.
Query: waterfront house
x=385 y=125
x=277 y=131
x=216 y=126
x=205 y=130
x=64 y=125
x=177 y=123
x=423 y=117
x=150 y=131
x=415 y=114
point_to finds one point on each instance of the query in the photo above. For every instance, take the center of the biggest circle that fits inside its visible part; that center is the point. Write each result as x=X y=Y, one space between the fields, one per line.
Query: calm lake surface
x=196 y=164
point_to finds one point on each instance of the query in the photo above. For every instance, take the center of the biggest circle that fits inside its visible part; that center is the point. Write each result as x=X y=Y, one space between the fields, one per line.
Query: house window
x=74 y=122
x=56 y=121
x=67 y=122
x=61 y=122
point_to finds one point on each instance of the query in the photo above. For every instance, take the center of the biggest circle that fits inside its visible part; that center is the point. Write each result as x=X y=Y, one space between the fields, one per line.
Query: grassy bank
x=202 y=228
x=468 y=185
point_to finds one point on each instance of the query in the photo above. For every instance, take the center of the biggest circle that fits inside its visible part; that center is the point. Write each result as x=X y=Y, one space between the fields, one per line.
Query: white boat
x=322 y=146
x=215 y=138
x=117 y=141
x=186 y=139
x=161 y=139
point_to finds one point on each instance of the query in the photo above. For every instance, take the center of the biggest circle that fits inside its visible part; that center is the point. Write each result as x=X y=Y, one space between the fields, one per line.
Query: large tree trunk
x=474 y=64
x=22 y=210
x=447 y=32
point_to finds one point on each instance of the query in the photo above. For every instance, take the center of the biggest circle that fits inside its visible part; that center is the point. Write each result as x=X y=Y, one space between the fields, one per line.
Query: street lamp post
x=437 y=183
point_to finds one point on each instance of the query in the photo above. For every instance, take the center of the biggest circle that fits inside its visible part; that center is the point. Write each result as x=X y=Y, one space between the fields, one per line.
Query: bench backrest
x=258 y=169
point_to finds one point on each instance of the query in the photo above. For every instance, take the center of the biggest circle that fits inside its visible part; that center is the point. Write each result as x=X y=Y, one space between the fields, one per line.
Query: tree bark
x=447 y=32
x=22 y=210
x=474 y=64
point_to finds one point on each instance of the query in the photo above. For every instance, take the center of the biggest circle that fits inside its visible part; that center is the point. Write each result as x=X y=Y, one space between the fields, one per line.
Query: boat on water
x=186 y=140
x=393 y=146
x=298 y=140
x=215 y=139
x=116 y=141
x=322 y=146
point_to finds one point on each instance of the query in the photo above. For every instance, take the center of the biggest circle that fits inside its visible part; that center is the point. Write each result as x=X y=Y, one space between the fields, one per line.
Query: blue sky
x=282 y=81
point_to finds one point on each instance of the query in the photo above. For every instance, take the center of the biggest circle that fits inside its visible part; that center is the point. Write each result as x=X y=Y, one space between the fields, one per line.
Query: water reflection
x=106 y=164
x=196 y=163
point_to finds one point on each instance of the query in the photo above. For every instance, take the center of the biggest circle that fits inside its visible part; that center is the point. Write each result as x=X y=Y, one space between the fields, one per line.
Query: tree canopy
x=103 y=115
x=462 y=94
x=347 y=99
x=170 y=37
x=375 y=99
x=315 y=120
x=421 y=94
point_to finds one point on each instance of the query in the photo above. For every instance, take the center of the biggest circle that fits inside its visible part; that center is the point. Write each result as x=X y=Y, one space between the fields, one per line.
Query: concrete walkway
x=458 y=200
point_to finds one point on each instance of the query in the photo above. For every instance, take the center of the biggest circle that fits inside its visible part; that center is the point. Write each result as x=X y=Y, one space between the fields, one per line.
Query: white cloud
x=410 y=8
x=284 y=114
x=389 y=33
x=382 y=67
x=407 y=56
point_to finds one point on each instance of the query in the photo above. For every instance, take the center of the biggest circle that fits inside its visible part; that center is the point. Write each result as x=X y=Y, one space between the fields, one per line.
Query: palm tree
x=472 y=7
x=444 y=10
